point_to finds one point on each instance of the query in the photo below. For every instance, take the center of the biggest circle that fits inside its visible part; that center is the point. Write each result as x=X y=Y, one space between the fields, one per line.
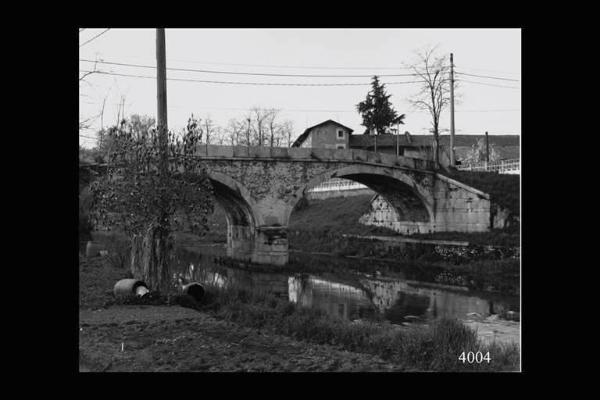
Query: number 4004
x=478 y=357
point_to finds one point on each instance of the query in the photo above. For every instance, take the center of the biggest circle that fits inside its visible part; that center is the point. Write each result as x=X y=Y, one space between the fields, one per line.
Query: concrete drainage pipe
x=193 y=289
x=130 y=287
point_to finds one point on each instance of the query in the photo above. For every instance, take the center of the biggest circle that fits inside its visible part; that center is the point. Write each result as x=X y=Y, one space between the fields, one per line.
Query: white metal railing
x=512 y=166
x=337 y=184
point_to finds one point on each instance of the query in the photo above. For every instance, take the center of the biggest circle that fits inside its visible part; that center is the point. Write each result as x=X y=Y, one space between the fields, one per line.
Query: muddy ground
x=176 y=339
x=172 y=338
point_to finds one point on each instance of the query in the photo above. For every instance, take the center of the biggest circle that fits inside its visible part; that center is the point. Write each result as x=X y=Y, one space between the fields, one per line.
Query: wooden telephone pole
x=161 y=96
x=452 y=161
x=487 y=148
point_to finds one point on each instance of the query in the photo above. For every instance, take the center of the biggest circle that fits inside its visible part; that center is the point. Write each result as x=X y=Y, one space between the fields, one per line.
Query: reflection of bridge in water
x=394 y=298
x=398 y=299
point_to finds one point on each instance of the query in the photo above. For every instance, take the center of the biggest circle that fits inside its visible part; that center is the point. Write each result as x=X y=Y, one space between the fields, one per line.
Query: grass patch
x=496 y=237
x=335 y=215
x=434 y=348
x=96 y=281
x=503 y=188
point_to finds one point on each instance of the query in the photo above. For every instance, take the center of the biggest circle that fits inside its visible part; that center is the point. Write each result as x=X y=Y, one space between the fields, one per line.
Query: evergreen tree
x=377 y=111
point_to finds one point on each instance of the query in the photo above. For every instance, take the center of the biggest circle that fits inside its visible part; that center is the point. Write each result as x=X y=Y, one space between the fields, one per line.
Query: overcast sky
x=483 y=107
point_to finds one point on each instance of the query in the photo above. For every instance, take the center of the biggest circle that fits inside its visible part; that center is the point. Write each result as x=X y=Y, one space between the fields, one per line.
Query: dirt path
x=162 y=338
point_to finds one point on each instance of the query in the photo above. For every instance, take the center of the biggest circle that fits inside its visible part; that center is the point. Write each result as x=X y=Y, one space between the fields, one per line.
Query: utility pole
x=248 y=133
x=161 y=92
x=452 y=161
x=487 y=148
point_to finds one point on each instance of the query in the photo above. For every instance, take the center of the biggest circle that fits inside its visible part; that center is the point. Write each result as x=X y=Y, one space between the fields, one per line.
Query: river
x=341 y=289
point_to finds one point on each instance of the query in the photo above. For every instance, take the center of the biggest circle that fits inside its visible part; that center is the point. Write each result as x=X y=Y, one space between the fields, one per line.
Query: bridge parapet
x=312 y=154
x=302 y=154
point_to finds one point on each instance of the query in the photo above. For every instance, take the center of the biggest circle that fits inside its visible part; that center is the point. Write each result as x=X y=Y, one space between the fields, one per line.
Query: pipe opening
x=195 y=290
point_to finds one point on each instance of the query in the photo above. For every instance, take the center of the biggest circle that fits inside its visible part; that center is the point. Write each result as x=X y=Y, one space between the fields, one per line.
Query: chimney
x=408 y=139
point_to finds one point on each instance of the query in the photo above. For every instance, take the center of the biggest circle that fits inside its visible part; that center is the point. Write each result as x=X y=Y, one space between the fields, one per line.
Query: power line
x=314 y=67
x=250 y=83
x=487 y=76
x=282 y=75
x=88 y=137
x=98 y=35
x=280 y=66
x=492 y=70
x=489 y=84
x=299 y=109
x=247 y=73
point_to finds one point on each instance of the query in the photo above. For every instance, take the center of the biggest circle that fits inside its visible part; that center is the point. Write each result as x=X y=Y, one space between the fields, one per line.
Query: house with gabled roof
x=328 y=134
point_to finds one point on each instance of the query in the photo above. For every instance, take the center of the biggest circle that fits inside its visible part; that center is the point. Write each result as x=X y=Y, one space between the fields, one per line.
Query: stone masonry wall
x=272 y=180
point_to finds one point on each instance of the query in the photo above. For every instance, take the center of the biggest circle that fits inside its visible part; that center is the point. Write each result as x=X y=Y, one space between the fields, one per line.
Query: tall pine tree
x=377 y=111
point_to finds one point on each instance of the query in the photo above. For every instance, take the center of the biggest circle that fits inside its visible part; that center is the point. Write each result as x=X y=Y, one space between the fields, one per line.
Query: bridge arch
x=412 y=201
x=239 y=207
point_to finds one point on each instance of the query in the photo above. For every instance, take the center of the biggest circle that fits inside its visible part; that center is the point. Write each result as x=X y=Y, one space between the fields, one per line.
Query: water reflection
x=335 y=298
x=396 y=299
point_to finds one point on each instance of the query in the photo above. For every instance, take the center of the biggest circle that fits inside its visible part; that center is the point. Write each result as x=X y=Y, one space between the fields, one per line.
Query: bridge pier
x=263 y=245
x=240 y=242
x=271 y=245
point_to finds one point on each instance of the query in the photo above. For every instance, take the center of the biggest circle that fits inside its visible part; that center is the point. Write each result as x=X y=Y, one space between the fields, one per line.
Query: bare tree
x=102 y=114
x=218 y=135
x=248 y=123
x=121 y=111
x=259 y=127
x=434 y=94
x=209 y=128
x=86 y=123
x=88 y=73
x=260 y=116
x=272 y=125
x=234 y=129
x=286 y=131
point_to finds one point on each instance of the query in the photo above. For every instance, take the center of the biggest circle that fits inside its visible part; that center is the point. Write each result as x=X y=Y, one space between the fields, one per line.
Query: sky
x=483 y=104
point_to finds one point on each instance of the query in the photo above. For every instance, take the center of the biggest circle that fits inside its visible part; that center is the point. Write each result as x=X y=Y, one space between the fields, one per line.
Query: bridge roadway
x=259 y=187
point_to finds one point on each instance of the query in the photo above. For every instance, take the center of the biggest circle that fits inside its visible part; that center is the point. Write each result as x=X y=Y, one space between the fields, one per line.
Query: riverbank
x=177 y=339
x=162 y=338
x=335 y=217
x=420 y=263
x=235 y=330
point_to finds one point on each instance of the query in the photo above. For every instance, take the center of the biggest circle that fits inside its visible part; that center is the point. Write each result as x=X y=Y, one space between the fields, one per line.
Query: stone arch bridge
x=258 y=187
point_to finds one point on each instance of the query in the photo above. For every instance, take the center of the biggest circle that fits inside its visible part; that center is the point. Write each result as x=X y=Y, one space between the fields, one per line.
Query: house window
x=340 y=134
x=340 y=146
